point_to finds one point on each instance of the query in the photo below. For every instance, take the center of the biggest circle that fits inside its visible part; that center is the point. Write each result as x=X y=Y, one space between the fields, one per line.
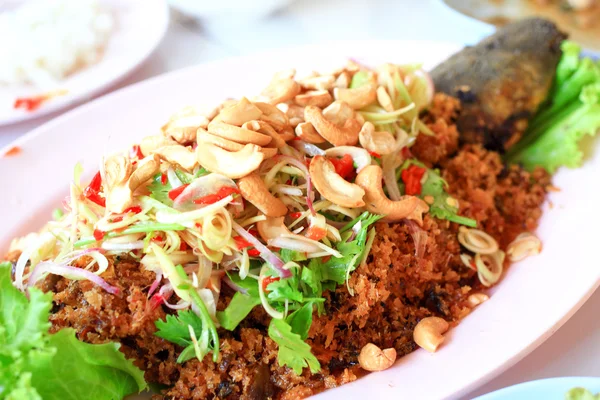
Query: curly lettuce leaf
x=35 y=364
x=581 y=394
x=570 y=112
x=293 y=351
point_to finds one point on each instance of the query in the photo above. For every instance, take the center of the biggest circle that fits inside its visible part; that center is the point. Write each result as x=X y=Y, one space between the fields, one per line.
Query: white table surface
x=574 y=350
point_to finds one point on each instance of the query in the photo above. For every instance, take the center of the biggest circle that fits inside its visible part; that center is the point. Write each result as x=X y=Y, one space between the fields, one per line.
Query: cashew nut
x=417 y=214
x=324 y=82
x=203 y=136
x=338 y=136
x=237 y=134
x=369 y=178
x=231 y=164
x=377 y=142
x=287 y=134
x=122 y=182
x=308 y=133
x=272 y=115
x=339 y=112
x=476 y=299
x=292 y=110
x=384 y=99
x=268 y=152
x=332 y=186
x=271 y=228
x=254 y=190
x=428 y=333
x=356 y=98
x=117 y=169
x=151 y=143
x=281 y=90
x=265 y=128
x=178 y=155
x=372 y=358
x=240 y=112
x=318 y=98
x=183 y=130
x=343 y=80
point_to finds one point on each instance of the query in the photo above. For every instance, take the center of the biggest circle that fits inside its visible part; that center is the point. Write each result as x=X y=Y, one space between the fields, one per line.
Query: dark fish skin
x=502 y=80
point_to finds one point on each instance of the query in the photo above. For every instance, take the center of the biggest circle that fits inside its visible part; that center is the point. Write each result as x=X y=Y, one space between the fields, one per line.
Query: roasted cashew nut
x=266 y=129
x=178 y=155
x=376 y=142
x=372 y=358
x=231 y=164
x=356 y=98
x=323 y=82
x=239 y=113
x=237 y=134
x=332 y=186
x=203 y=136
x=476 y=299
x=308 y=133
x=151 y=143
x=334 y=134
x=318 y=98
x=183 y=130
x=271 y=228
x=281 y=90
x=429 y=333
x=272 y=115
x=369 y=178
x=339 y=112
x=120 y=195
x=254 y=190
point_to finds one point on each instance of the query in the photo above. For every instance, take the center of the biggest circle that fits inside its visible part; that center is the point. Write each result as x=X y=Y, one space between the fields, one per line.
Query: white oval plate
x=139 y=27
x=535 y=298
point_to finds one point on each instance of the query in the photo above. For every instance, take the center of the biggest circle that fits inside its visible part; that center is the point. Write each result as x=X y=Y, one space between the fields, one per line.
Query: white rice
x=43 y=41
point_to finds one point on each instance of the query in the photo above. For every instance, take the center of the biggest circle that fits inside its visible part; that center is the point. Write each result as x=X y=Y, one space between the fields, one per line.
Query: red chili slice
x=173 y=194
x=91 y=192
x=164 y=179
x=268 y=280
x=241 y=243
x=253 y=253
x=344 y=166
x=296 y=215
x=98 y=234
x=411 y=177
x=136 y=152
x=220 y=195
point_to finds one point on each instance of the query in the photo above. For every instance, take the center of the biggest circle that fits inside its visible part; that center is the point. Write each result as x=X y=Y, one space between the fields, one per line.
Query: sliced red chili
x=220 y=195
x=156 y=300
x=411 y=177
x=134 y=209
x=29 y=103
x=174 y=193
x=376 y=155
x=343 y=166
x=98 y=234
x=241 y=243
x=164 y=179
x=253 y=253
x=91 y=192
x=136 y=152
x=268 y=280
x=253 y=232
x=183 y=246
x=296 y=215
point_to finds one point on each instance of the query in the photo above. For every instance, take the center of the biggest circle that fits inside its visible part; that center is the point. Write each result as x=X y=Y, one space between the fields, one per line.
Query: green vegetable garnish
x=293 y=351
x=571 y=111
x=581 y=394
x=35 y=364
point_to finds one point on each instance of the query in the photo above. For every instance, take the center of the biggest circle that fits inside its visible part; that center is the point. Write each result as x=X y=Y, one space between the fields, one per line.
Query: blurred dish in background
x=580 y=18
x=51 y=40
x=229 y=12
x=567 y=388
x=64 y=51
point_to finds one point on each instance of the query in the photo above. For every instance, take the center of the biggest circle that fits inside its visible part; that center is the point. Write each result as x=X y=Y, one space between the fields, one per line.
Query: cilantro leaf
x=293 y=351
x=581 y=394
x=288 y=255
x=175 y=327
x=240 y=305
x=36 y=365
x=301 y=320
x=160 y=192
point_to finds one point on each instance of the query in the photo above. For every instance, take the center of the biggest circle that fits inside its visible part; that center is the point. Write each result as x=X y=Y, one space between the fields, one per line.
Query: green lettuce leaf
x=581 y=394
x=35 y=364
x=293 y=351
x=570 y=112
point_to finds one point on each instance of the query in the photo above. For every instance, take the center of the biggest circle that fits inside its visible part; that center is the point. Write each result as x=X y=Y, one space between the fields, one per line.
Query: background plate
x=546 y=389
x=535 y=298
